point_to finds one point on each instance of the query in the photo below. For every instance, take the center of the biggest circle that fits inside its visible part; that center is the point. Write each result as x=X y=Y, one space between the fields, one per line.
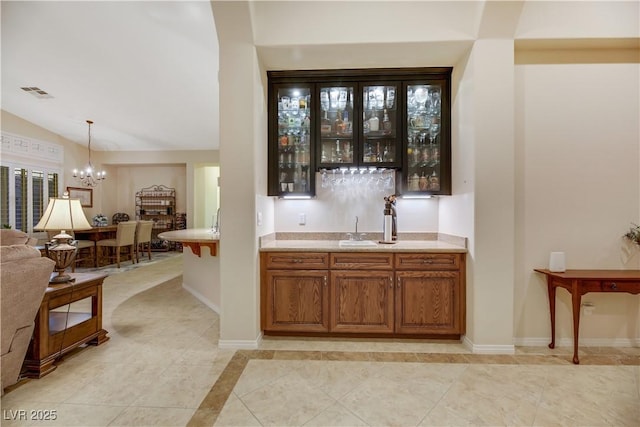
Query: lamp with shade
x=63 y=214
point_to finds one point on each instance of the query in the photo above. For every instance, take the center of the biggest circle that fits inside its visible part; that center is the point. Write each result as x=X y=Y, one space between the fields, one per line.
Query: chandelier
x=88 y=176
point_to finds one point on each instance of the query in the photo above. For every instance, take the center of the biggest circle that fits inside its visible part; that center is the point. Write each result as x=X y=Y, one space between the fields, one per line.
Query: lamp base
x=63 y=254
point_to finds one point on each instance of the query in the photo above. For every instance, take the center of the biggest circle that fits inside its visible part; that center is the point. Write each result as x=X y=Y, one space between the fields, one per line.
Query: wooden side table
x=54 y=333
x=580 y=282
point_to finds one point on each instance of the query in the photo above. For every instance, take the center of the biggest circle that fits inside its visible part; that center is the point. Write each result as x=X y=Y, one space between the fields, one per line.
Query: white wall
x=335 y=211
x=242 y=129
x=127 y=180
x=579 y=142
x=207 y=201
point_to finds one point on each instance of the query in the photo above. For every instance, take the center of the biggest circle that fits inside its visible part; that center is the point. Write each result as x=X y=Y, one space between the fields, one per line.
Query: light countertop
x=190 y=235
x=334 y=246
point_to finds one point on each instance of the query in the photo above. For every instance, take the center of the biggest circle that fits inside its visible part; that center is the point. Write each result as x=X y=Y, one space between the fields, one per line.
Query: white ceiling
x=146 y=73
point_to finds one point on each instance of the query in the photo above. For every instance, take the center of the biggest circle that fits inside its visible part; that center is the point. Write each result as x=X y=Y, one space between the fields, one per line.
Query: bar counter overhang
x=201 y=271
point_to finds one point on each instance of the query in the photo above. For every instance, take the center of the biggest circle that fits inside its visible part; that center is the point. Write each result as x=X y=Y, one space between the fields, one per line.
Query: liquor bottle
x=368 y=156
x=374 y=123
x=365 y=124
x=434 y=181
x=386 y=123
x=325 y=124
x=348 y=126
x=324 y=99
x=338 y=124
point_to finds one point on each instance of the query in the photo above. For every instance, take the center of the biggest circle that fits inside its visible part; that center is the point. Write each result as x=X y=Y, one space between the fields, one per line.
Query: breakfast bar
x=201 y=276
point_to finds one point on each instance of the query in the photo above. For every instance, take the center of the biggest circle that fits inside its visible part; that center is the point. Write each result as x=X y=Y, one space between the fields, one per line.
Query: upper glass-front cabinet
x=424 y=168
x=380 y=131
x=337 y=146
x=293 y=142
x=380 y=118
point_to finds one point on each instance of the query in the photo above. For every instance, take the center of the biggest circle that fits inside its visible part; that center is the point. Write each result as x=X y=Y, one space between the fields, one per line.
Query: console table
x=578 y=283
x=54 y=333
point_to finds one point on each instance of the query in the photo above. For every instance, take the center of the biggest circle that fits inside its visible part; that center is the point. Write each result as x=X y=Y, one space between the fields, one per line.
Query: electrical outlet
x=587 y=308
x=302 y=219
x=259 y=219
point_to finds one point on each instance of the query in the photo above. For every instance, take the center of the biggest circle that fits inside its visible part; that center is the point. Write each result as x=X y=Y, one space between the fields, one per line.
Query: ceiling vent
x=37 y=92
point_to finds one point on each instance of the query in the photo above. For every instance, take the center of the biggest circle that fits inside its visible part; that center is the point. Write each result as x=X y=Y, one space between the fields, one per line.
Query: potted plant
x=634 y=234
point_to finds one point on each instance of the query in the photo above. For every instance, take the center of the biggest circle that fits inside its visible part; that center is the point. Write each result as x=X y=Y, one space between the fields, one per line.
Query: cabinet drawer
x=361 y=261
x=297 y=260
x=427 y=261
x=632 y=287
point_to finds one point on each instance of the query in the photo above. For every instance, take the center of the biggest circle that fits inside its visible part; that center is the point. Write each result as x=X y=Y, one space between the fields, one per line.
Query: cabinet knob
x=614 y=285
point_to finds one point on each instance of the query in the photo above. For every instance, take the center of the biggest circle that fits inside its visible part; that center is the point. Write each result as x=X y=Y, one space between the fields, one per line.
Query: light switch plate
x=302 y=219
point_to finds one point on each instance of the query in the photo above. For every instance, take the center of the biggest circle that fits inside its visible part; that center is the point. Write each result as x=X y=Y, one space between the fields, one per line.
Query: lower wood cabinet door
x=362 y=301
x=429 y=302
x=297 y=301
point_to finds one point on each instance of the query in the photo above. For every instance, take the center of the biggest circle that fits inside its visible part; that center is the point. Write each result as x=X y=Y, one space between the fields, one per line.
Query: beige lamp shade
x=63 y=214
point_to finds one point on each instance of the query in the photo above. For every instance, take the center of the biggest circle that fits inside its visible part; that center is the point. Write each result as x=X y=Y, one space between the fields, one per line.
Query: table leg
x=576 y=297
x=552 y=310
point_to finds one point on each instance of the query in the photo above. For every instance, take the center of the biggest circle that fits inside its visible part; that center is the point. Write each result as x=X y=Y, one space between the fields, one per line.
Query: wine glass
x=421 y=95
x=434 y=130
x=434 y=101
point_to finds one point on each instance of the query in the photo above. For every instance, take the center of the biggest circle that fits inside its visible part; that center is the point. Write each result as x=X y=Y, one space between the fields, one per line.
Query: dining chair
x=86 y=249
x=143 y=238
x=125 y=239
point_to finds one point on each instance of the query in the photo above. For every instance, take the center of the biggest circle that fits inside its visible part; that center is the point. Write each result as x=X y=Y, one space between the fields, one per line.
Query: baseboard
x=583 y=342
x=488 y=349
x=201 y=298
x=241 y=344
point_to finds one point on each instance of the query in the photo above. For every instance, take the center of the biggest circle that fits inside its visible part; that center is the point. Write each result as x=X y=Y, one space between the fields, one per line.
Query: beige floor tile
x=119 y=384
x=287 y=401
x=336 y=415
x=235 y=413
x=383 y=402
x=161 y=417
x=261 y=373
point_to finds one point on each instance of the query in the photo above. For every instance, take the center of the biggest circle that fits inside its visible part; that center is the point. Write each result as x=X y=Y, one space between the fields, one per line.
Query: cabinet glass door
x=294 y=140
x=424 y=147
x=337 y=146
x=380 y=130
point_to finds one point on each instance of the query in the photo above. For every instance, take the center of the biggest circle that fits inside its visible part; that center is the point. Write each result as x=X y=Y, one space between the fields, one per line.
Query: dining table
x=97 y=233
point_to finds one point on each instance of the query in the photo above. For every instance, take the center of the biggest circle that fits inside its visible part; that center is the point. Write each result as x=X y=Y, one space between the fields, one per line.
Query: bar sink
x=356 y=243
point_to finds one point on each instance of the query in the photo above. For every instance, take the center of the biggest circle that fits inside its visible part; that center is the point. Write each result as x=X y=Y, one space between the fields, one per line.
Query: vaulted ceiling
x=146 y=73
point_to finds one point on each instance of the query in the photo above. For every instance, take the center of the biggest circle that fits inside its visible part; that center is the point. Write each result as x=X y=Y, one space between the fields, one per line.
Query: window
x=24 y=195
x=30 y=172
x=4 y=196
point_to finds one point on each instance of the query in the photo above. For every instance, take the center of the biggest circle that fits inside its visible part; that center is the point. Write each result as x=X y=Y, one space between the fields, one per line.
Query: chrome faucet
x=356 y=236
x=216 y=227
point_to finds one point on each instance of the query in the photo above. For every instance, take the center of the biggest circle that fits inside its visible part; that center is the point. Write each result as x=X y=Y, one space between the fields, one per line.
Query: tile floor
x=162 y=367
